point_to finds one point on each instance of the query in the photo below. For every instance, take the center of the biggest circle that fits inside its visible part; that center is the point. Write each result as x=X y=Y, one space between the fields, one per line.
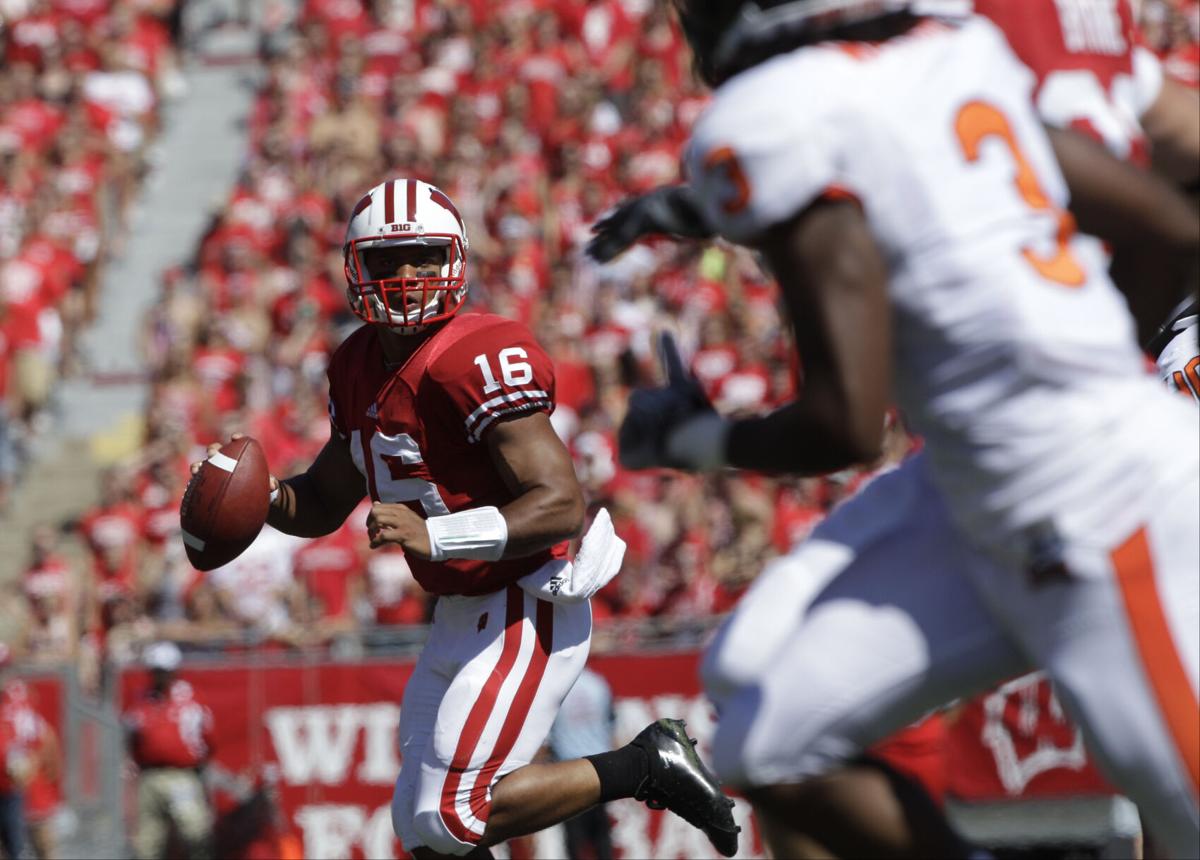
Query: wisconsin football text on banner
x=329 y=733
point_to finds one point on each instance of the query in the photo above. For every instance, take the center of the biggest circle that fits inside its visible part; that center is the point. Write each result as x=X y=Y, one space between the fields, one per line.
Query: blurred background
x=175 y=177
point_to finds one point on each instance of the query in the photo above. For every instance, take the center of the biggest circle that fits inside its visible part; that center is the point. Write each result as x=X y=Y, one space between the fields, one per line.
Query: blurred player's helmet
x=405 y=212
x=729 y=36
x=164 y=656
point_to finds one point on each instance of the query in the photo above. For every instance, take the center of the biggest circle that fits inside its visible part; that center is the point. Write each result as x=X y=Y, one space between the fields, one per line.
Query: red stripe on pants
x=1160 y=659
x=477 y=719
x=519 y=709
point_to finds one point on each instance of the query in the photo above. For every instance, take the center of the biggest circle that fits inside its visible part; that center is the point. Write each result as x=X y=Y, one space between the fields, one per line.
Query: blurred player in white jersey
x=908 y=201
x=1178 y=350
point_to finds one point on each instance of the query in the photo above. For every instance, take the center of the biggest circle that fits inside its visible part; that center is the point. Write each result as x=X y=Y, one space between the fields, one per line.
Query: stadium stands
x=556 y=112
x=535 y=115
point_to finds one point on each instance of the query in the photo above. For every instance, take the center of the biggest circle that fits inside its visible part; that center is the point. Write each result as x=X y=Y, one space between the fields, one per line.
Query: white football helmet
x=405 y=212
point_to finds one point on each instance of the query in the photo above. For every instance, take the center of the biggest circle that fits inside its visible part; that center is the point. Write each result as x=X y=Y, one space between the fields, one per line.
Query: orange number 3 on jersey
x=978 y=121
x=726 y=161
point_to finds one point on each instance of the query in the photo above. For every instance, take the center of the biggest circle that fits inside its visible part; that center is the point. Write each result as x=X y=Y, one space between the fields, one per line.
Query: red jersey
x=112 y=534
x=326 y=566
x=1092 y=74
x=13 y=758
x=416 y=433
x=32 y=733
x=169 y=731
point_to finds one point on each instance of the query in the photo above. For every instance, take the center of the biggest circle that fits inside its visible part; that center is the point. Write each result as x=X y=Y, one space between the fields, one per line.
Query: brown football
x=225 y=504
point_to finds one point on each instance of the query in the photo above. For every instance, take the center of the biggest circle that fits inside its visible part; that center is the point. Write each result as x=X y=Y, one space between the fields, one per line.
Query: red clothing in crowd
x=29 y=38
x=1182 y=64
x=34 y=735
x=326 y=566
x=87 y=11
x=169 y=730
x=394 y=594
x=11 y=756
x=50 y=578
x=34 y=123
x=6 y=351
x=112 y=536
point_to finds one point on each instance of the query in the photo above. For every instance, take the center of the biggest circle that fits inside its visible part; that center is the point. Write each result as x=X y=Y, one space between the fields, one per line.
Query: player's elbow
x=852 y=426
x=863 y=443
x=571 y=511
x=844 y=450
x=560 y=510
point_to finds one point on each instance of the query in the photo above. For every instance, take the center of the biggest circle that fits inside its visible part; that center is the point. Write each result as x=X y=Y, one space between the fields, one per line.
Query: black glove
x=1167 y=331
x=670 y=210
x=656 y=415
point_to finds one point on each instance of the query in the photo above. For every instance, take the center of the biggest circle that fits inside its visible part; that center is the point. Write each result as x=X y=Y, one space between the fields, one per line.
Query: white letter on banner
x=678 y=840
x=381 y=762
x=330 y=830
x=314 y=742
x=631 y=828
x=378 y=838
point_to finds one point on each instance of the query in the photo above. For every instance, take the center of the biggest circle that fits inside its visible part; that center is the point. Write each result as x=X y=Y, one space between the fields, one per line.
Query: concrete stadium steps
x=96 y=416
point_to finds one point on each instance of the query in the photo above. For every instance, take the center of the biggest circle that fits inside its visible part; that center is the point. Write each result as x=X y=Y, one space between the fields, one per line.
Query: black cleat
x=680 y=782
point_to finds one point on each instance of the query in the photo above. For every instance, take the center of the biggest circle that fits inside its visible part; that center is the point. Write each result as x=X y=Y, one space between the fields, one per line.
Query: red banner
x=330 y=730
x=1016 y=742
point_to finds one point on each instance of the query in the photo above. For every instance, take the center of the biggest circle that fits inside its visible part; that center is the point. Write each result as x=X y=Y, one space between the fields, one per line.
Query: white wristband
x=699 y=442
x=478 y=533
x=274 y=494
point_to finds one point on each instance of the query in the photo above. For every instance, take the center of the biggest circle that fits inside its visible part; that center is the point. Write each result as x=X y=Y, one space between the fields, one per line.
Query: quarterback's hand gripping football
x=400 y=525
x=215 y=448
x=670 y=210
x=673 y=426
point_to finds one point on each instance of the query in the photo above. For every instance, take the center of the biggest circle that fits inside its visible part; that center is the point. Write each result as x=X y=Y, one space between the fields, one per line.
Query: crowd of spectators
x=534 y=116
x=81 y=82
x=1171 y=29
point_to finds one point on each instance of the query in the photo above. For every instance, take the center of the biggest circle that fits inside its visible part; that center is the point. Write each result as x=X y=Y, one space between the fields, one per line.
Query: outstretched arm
x=1153 y=231
x=669 y=210
x=834 y=284
x=1172 y=122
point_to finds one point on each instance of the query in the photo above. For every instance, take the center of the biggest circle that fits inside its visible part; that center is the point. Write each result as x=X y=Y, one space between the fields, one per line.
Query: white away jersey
x=1179 y=362
x=1015 y=356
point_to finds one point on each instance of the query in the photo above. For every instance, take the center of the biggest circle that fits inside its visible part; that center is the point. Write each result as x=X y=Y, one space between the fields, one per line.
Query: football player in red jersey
x=170 y=738
x=443 y=419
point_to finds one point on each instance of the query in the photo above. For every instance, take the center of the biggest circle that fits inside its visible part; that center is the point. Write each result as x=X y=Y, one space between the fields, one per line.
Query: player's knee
x=715 y=673
x=731 y=743
x=402 y=811
x=748 y=645
x=430 y=830
x=758 y=745
x=727 y=666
